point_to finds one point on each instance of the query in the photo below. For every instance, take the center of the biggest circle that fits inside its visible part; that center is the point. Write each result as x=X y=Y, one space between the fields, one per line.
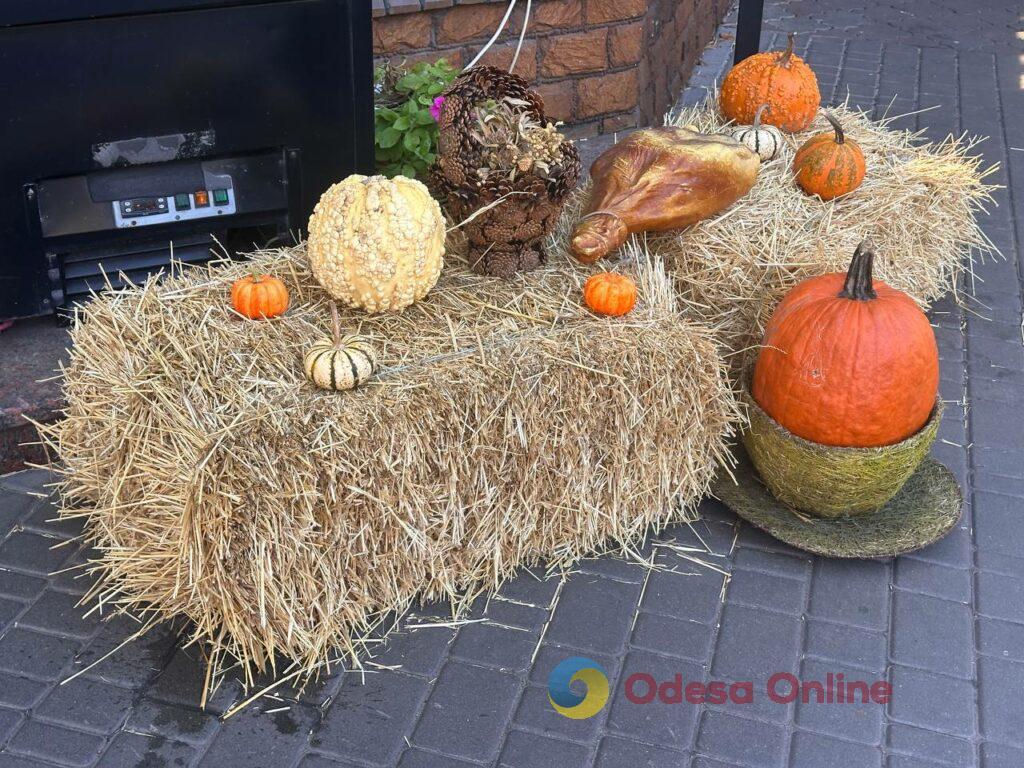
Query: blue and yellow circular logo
x=569 y=703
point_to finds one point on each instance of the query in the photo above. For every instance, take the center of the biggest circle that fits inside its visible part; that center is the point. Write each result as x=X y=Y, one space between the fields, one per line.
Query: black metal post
x=748 y=29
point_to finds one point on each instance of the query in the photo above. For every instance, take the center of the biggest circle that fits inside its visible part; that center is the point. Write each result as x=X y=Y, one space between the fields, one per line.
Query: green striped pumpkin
x=341 y=362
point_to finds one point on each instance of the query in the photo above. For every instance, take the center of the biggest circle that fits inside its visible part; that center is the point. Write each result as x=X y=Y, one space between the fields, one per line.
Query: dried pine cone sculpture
x=495 y=140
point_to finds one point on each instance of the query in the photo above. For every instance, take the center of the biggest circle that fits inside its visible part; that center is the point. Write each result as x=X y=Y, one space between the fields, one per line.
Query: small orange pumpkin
x=609 y=293
x=257 y=296
x=848 y=360
x=829 y=164
x=780 y=79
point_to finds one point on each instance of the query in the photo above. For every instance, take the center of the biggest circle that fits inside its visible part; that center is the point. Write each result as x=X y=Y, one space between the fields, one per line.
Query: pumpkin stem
x=256 y=275
x=840 y=136
x=757 y=116
x=788 y=53
x=335 y=324
x=859 y=284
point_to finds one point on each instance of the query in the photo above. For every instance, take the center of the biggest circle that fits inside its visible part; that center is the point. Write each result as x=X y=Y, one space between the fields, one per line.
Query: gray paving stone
x=686 y=597
x=932 y=701
x=617 y=752
x=1000 y=684
x=673 y=637
x=44 y=519
x=181 y=682
x=467 y=711
x=594 y=614
x=20 y=586
x=536 y=713
x=44 y=657
x=86 y=705
x=812 y=750
x=13 y=507
x=934 y=579
x=754 y=644
x=531 y=586
x=178 y=723
x=258 y=740
x=742 y=741
x=320 y=761
x=851 y=592
x=33 y=553
x=932 y=633
x=415 y=758
x=795 y=567
x=764 y=590
x=531 y=750
x=999 y=523
x=506 y=649
x=1001 y=756
x=133 y=664
x=371 y=717
x=903 y=761
x=1001 y=639
x=656 y=722
x=517 y=615
x=1000 y=596
x=55 y=744
x=132 y=749
x=28 y=480
x=420 y=651
x=58 y=613
x=8 y=760
x=938 y=747
x=852 y=646
x=857 y=721
x=9 y=721
x=19 y=692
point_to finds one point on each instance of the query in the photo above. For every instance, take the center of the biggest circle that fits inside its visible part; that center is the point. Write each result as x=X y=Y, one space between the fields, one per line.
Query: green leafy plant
x=405 y=132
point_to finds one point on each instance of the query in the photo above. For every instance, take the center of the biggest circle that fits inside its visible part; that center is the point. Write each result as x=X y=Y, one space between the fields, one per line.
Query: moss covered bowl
x=828 y=481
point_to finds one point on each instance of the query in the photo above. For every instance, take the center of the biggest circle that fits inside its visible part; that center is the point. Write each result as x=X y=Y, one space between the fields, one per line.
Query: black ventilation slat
x=114 y=264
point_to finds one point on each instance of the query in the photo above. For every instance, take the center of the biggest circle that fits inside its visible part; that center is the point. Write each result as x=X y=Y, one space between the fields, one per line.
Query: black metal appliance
x=135 y=130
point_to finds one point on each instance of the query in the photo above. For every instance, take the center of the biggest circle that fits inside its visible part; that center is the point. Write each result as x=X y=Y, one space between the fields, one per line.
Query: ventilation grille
x=95 y=270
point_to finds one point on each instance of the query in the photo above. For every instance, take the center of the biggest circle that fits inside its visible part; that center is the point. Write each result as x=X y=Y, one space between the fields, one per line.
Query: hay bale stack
x=506 y=425
x=918 y=204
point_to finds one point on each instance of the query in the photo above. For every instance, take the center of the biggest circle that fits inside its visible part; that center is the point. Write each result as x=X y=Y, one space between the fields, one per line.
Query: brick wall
x=601 y=65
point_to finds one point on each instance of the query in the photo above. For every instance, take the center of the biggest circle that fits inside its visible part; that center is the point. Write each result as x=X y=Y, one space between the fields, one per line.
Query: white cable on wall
x=497 y=33
x=522 y=34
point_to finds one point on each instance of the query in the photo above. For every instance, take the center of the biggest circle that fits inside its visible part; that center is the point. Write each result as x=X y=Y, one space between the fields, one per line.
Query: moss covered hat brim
x=922 y=512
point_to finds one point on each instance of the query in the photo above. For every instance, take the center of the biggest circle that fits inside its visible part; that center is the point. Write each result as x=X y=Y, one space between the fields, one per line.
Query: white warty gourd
x=375 y=243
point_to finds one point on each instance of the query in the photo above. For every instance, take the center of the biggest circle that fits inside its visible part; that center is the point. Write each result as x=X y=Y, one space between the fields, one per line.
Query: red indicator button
x=202 y=198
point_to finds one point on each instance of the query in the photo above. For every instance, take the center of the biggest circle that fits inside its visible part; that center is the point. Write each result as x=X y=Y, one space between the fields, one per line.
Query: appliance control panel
x=198 y=204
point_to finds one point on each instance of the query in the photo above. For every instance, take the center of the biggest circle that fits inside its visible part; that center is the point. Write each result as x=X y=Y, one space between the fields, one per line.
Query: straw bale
x=507 y=426
x=918 y=203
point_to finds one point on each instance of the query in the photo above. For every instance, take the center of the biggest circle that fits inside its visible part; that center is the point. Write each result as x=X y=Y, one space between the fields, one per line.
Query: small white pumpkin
x=341 y=362
x=763 y=140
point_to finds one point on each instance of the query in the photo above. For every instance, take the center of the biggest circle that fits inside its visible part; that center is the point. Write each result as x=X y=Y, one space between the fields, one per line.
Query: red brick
x=500 y=55
x=574 y=53
x=453 y=55
x=607 y=93
x=557 y=14
x=471 y=22
x=394 y=34
x=617 y=123
x=603 y=11
x=559 y=99
x=625 y=44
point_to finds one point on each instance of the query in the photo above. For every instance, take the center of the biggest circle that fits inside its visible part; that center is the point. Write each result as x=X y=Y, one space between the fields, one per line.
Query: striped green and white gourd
x=341 y=362
x=763 y=140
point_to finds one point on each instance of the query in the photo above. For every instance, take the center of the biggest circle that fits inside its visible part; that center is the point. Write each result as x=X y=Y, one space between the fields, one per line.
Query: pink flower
x=435 y=108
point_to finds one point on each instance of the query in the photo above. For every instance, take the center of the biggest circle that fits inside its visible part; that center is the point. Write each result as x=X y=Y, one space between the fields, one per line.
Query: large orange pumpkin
x=829 y=164
x=848 y=360
x=780 y=79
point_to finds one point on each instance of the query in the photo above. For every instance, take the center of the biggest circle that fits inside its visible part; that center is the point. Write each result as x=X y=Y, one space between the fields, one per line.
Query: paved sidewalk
x=944 y=626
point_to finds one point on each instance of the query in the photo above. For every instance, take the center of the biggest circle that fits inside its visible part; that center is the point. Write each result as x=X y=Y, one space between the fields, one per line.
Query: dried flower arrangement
x=502 y=168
